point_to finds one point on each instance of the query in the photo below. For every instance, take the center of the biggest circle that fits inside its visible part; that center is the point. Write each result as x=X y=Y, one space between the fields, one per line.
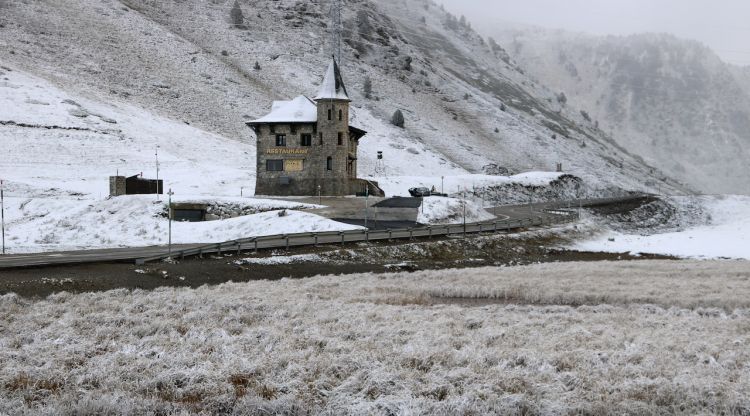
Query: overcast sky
x=724 y=25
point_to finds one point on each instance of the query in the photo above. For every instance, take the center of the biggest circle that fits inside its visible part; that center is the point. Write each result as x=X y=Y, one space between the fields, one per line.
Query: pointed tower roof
x=333 y=85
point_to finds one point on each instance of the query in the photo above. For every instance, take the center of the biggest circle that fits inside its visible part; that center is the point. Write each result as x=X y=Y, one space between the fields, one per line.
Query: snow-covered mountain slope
x=672 y=101
x=60 y=144
x=178 y=62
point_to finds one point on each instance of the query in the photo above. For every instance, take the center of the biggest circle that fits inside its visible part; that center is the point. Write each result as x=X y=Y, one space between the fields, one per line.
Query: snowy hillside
x=672 y=101
x=180 y=74
x=726 y=234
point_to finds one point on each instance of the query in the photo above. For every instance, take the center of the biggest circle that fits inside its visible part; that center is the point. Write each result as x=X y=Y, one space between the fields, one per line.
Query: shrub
x=562 y=98
x=398 y=119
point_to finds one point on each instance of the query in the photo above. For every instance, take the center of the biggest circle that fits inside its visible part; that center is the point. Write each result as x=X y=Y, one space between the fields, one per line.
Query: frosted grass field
x=590 y=338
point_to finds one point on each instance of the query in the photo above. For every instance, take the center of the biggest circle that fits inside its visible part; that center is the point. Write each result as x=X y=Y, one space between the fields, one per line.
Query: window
x=341 y=138
x=341 y=115
x=329 y=163
x=281 y=140
x=276 y=165
x=305 y=140
x=329 y=113
x=321 y=138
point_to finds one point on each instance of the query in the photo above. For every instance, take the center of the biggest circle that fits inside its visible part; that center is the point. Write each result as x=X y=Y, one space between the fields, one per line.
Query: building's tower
x=333 y=134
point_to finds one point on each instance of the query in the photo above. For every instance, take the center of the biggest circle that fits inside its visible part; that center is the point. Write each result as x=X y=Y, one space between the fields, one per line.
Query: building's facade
x=307 y=147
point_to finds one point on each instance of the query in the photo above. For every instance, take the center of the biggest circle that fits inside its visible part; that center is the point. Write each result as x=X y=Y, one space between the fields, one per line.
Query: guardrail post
x=411 y=234
x=239 y=249
x=315 y=235
x=495 y=229
x=255 y=240
x=200 y=253
x=286 y=237
x=182 y=255
x=367 y=235
x=429 y=228
x=218 y=249
x=480 y=228
x=342 y=238
x=390 y=235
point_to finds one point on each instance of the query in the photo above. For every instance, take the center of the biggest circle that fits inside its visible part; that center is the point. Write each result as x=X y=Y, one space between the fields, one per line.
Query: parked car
x=419 y=192
x=423 y=191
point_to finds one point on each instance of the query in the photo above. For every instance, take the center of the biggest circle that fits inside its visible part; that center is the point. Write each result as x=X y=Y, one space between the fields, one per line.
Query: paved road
x=84 y=256
x=507 y=218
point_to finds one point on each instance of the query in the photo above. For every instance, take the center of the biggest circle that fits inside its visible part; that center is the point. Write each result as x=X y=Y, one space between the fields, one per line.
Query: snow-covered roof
x=333 y=85
x=298 y=110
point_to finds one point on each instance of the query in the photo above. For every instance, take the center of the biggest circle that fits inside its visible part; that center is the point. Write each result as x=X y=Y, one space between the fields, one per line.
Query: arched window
x=329 y=163
x=341 y=114
x=341 y=138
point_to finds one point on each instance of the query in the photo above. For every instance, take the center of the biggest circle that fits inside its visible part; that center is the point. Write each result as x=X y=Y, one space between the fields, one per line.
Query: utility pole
x=157 y=173
x=170 y=193
x=2 y=212
x=442 y=184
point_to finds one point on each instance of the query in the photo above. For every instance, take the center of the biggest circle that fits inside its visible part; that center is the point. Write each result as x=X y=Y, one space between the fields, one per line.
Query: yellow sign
x=293 y=165
x=285 y=151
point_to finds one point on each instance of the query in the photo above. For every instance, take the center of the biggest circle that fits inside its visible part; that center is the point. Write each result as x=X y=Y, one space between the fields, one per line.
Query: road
x=508 y=218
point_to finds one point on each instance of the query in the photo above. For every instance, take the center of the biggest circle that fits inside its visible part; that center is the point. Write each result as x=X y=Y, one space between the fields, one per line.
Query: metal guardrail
x=555 y=216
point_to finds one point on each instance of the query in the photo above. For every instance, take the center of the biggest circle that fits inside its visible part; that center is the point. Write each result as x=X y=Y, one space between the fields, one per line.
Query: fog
x=722 y=25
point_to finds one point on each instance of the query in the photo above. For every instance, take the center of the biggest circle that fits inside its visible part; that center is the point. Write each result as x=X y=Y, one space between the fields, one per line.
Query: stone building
x=306 y=147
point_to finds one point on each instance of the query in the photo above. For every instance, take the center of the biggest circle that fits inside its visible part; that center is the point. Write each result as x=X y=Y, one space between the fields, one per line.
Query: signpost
x=2 y=213
x=367 y=196
x=157 y=174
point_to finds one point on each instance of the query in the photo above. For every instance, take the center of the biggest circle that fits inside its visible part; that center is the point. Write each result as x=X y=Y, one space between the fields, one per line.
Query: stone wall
x=117 y=185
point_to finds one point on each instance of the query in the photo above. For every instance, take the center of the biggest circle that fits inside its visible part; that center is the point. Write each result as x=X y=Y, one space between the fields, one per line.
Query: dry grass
x=640 y=338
